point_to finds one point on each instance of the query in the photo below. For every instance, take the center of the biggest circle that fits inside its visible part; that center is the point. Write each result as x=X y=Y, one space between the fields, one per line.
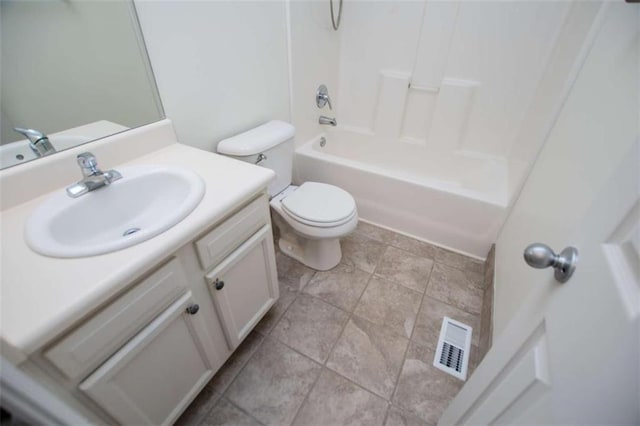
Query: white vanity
x=132 y=336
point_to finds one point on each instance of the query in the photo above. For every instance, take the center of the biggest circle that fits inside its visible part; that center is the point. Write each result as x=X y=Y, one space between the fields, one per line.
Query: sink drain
x=130 y=231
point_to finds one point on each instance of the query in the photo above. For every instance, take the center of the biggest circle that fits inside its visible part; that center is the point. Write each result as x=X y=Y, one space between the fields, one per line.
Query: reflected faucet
x=327 y=120
x=93 y=177
x=38 y=141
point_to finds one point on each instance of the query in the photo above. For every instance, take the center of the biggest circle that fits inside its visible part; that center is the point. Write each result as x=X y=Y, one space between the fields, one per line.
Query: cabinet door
x=156 y=374
x=244 y=286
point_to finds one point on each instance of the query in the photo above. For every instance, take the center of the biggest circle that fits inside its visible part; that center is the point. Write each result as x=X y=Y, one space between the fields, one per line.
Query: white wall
x=69 y=63
x=221 y=66
x=314 y=61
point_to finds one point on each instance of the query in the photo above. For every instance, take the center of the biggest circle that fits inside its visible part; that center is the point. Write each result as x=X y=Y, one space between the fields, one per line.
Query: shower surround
x=441 y=107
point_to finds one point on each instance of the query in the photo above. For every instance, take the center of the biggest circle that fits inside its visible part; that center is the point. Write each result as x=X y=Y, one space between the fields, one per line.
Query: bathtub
x=454 y=200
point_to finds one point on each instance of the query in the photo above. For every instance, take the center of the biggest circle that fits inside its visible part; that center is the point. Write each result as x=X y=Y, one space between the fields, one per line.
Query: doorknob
x=541 y=256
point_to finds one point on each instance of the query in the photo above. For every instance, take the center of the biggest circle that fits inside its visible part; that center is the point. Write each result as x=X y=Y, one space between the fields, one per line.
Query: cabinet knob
x=219 y=284
x=193 y=309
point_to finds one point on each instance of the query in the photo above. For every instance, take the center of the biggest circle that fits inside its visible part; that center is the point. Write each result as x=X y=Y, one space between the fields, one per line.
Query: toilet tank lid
x=257 y=140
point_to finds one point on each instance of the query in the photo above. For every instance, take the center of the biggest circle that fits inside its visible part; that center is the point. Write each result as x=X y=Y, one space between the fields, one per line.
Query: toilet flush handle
x=261 y=158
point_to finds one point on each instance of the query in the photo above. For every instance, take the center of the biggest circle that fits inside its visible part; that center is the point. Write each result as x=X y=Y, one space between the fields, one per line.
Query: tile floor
x=353 y=345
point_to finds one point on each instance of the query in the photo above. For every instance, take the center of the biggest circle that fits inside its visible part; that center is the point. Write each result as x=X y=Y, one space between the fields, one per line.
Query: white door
x=569 y=353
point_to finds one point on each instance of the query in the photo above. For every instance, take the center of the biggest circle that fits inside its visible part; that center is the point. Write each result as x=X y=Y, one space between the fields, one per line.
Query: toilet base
x=322 y=254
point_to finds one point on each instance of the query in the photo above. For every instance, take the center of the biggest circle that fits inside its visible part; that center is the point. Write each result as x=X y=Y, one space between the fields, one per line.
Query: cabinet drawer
x=90 y=344
x=224 y=239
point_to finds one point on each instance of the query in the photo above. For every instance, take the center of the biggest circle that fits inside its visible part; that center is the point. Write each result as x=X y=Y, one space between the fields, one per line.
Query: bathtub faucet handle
x=322 y=97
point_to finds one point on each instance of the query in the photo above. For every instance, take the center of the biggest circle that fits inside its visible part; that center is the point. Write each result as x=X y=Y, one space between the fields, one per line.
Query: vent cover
x=452 y=353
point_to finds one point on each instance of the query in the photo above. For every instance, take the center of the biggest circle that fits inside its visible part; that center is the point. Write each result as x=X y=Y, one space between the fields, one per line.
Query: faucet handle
x=88 y=163
x=322 y=97
x=112 y=176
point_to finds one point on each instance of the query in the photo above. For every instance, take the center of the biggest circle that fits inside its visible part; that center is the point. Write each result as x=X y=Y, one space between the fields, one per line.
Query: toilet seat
x=320 y=205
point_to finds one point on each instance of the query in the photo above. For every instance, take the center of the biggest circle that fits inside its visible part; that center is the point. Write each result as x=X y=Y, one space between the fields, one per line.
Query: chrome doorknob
x=541 y=256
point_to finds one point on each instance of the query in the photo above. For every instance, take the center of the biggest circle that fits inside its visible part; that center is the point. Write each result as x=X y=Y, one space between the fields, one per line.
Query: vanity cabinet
x=82 y=350
x=244 y=286
x=240 y=262
x=146 y=354
x=152 y=377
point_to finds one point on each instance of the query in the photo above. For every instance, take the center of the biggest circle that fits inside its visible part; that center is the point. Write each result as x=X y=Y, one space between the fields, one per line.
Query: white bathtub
x=458 y=201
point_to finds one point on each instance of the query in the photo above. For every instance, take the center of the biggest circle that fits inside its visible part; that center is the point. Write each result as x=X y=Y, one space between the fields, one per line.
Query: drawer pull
x=219 y=284
x=193 y=309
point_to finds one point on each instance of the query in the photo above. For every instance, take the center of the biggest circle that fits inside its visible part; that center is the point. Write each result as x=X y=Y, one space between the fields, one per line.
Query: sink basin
x=147 y=201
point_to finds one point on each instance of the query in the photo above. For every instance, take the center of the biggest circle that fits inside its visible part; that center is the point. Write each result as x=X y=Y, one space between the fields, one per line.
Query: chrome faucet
x=38 y=141
x=93 y=177
x=322 y=97
x=327 y=120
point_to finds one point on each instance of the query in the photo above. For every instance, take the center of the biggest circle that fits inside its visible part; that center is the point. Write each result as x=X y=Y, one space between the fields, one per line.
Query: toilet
x=311 y=217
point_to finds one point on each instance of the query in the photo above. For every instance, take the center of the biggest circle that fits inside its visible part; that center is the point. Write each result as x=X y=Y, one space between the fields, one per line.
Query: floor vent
x=452 y=353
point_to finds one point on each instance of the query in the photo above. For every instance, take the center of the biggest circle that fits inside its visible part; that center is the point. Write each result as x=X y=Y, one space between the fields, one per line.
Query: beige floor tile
x=199 y=408
x=226 y=414
x=311 y=327
x=376 y=233
x=291 y=273
x=405 y=268
x=271 y=318
x=455 y=287
x=274 y=383
x=413 y=246
x=429 y=322
x=475 y=356
x=423 y=389
x=391 y=305
x=335 y=400
x=341 y=286
x=369 y=355
x=460 y=261
x=398 y=417
x=489 y=267
x=293 y=276
x=486 y=320
x=236 y=361
x=362 y=251
x=269 y=381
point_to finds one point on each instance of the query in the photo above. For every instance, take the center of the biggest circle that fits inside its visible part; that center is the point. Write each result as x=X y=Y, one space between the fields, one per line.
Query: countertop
x=42 y=296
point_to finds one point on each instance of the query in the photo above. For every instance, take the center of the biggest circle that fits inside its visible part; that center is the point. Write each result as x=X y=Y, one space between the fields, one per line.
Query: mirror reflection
x=72 y=71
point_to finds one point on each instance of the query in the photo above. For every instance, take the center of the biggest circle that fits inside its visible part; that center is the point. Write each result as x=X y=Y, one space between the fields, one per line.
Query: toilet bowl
x=311 y=217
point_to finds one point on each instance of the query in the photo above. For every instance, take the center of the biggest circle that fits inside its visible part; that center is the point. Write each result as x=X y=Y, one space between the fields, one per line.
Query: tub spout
x=327 y=120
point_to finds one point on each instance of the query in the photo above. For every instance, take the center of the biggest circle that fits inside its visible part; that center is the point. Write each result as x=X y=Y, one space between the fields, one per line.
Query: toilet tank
x=275 y=141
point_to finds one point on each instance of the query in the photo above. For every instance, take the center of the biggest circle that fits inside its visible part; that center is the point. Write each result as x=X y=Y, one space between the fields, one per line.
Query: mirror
x=73 y=70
